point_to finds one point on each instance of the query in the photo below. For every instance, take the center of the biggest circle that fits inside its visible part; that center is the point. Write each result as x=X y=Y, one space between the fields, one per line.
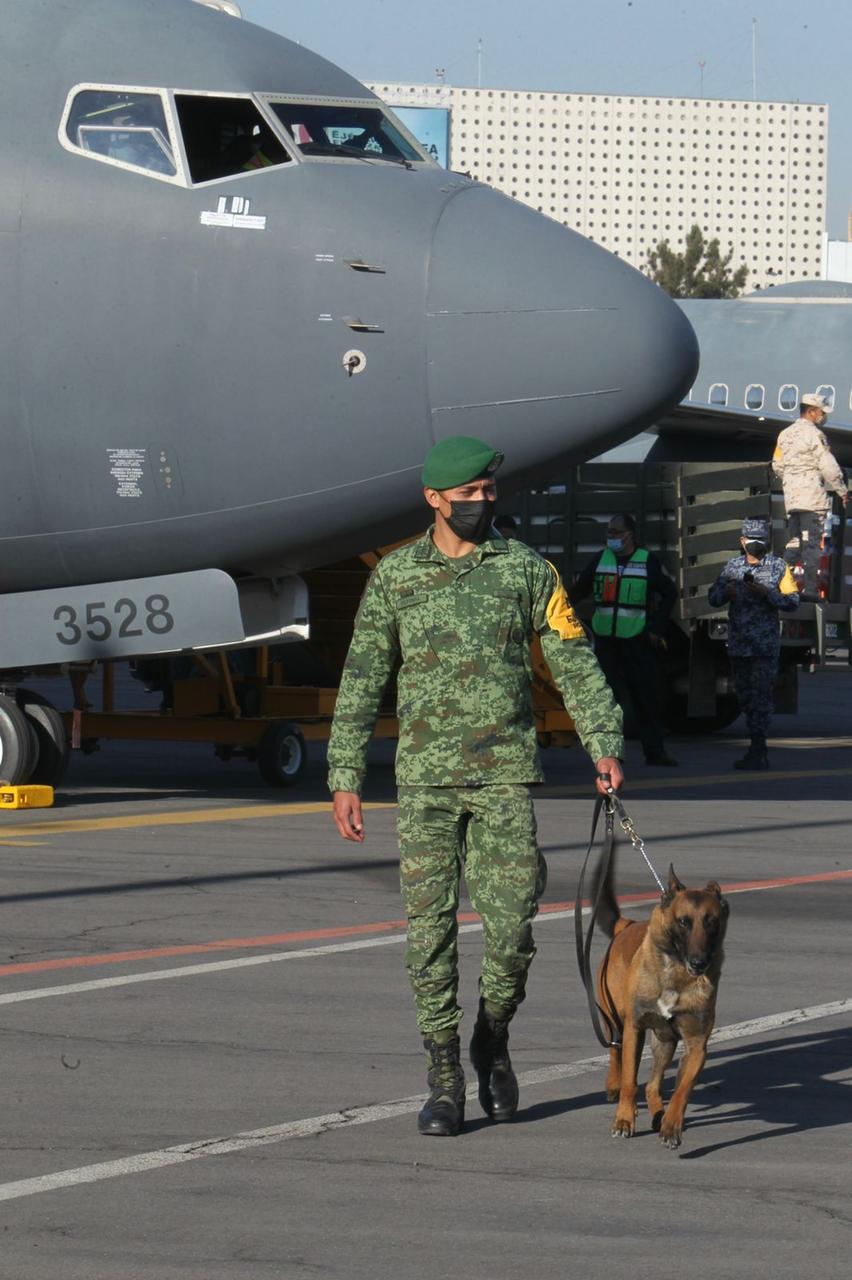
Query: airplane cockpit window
x=356 y=132
x=827 y=393
x=123 y=126
x=788 y=398
x=719 y=393
x=754 y=396
x=225 y=136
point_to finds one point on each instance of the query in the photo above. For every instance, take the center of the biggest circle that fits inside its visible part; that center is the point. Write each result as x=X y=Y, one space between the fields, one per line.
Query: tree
x=699 y=272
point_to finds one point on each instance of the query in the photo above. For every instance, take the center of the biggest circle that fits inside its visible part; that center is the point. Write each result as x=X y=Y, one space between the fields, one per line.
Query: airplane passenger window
x=359 y=132
x=827 y=392
x=225 y=136
x=719 y=393
x=124 y=126
x=788 y=398
x=754 y=396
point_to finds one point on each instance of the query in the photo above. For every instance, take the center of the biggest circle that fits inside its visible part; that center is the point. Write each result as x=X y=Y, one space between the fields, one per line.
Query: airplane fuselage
x=244 y=372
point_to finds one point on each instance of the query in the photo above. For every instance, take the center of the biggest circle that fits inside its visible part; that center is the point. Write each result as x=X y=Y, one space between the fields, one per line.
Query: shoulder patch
x=561 y=618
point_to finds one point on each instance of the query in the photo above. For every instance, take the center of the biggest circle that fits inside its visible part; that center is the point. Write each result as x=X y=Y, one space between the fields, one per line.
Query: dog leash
x=633 y=835
x=611 y=805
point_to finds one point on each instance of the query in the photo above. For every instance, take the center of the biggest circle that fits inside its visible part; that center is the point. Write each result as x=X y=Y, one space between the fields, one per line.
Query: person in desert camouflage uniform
x=460 y=606
x=809 y=474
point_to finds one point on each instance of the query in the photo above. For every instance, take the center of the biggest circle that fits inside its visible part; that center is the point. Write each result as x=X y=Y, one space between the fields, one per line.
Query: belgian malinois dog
x=661 y=977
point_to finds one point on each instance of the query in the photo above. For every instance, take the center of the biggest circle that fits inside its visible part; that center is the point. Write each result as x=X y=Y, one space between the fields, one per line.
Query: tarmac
x=211 y=1067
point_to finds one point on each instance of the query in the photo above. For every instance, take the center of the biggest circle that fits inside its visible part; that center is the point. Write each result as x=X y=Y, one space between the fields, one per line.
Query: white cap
x=813 y=401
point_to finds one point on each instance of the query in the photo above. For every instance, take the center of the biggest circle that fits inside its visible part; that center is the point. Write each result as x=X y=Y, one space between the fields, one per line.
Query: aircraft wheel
x=53 y=750
x=18 y=743
x=282 y=754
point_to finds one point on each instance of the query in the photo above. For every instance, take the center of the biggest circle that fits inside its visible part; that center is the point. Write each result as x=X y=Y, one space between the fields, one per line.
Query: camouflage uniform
x=754 y=636
x=467 y=745
x=809 y=472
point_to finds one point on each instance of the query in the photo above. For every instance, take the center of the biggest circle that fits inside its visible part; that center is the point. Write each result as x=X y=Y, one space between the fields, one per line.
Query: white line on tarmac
x=274 y=957
x=313 y=1125
x=243 y=962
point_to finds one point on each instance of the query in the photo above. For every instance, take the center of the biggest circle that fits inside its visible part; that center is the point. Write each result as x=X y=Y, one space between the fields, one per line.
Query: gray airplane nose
x=541 y=341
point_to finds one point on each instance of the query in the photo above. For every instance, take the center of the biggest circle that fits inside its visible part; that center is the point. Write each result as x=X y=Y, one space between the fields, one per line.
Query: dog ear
x=675 y=885
x=714 y=887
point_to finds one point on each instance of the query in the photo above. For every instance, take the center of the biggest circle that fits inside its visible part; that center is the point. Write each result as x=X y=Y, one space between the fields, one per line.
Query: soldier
x=808 y=472
x=755 y=585
x=460 y=606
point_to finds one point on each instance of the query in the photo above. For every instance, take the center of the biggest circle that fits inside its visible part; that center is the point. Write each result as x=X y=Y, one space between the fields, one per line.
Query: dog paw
x=670 y=1138
x=657 y=1120
x=622 y=1129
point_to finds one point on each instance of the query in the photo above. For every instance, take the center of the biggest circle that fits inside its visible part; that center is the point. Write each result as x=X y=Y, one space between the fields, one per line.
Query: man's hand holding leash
x=610 y=775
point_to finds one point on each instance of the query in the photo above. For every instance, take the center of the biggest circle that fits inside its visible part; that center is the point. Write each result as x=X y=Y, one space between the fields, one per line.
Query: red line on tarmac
x=356 y=930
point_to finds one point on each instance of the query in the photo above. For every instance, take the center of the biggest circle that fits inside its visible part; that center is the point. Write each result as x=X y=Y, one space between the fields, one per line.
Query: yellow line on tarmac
x=23 y=844
x=176 y=818
x=636 y=786
x=21 y=832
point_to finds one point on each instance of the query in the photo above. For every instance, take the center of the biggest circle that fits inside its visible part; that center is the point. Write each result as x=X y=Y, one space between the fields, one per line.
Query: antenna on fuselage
x=224 y=6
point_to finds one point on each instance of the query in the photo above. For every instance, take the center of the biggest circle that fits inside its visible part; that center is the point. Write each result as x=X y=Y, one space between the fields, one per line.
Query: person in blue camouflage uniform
x=459 y=607
x=756 y=586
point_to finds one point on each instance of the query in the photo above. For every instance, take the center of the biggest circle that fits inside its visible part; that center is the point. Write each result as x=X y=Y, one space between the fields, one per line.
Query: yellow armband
x=787 y=585
x=561 y=618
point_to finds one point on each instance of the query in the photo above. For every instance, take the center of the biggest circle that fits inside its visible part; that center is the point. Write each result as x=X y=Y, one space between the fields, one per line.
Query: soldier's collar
x=496 y=545
x=425 y=549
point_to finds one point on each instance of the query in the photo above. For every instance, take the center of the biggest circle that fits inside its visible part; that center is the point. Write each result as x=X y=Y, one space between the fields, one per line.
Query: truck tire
x=677 y=721
x=18 y=743
x=282 y=754
x=53 y=750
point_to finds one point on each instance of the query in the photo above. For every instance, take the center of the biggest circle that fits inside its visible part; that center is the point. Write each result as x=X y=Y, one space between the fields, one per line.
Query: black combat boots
x=756 y=757
x=443 y=1114
x=489 y=1053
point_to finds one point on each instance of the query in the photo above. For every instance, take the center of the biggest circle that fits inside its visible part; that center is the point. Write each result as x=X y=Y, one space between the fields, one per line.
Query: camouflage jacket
x=753 y=627
x=806 y=467
x=462 y=629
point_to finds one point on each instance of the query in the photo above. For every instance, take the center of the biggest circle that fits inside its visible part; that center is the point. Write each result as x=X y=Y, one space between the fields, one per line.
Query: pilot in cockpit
x=263 y=147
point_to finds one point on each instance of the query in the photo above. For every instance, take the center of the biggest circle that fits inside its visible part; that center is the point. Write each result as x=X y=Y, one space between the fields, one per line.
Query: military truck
x=690 y=515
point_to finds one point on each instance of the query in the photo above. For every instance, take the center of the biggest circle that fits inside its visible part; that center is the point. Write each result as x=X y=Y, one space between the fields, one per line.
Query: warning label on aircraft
x=233 y=214
x=127 y=467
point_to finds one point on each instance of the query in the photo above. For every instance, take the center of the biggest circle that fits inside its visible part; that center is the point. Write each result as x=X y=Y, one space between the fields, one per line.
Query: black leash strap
x=611 y=1039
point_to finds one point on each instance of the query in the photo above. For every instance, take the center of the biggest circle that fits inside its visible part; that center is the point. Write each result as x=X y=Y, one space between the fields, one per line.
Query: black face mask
x=471 y=521
x=756 y=549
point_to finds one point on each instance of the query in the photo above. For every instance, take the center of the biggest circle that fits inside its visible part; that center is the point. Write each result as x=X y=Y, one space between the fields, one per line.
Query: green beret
x=457 y=460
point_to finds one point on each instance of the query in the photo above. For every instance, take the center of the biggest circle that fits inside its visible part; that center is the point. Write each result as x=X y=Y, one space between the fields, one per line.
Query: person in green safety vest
x=634 y=598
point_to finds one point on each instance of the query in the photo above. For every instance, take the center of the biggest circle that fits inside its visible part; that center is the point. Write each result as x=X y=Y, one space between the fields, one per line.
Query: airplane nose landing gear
x=18 y=743
x=33 y=744
x=53 y=751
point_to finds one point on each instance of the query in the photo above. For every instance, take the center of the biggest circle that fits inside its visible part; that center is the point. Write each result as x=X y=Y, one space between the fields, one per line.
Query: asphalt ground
x=211 y=1067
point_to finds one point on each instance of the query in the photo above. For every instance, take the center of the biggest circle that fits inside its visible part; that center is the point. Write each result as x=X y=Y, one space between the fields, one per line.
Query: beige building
x=629 y=172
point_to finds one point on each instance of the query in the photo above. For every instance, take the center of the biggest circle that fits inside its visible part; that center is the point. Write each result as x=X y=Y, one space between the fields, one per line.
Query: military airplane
x=240 y=302
x=759 y=354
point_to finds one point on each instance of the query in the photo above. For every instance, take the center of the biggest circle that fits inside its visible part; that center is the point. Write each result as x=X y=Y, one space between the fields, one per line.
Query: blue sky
x=804 y=51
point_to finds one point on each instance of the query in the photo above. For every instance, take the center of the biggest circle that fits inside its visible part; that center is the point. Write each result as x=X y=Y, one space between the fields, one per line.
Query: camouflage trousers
x=490 y=833
x=754 y=684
